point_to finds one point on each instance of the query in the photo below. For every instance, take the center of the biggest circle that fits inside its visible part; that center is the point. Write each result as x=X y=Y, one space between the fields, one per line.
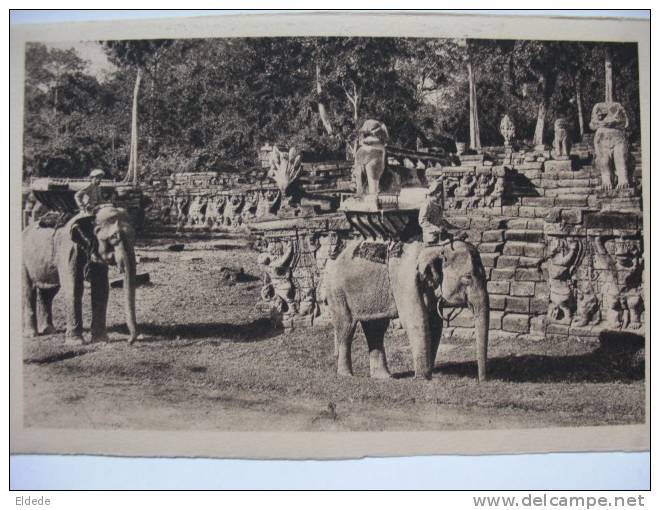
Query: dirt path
x=209 y=359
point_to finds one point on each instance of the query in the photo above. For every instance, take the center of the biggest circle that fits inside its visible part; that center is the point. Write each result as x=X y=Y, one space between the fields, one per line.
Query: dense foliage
x=207 y=104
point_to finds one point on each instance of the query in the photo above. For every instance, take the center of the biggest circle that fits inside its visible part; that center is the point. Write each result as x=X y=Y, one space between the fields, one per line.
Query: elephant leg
x=29 y=306
x=375 y=332
x=344 y=331
x=414 y=318
x=100 y=290
x=46 y=297
x=73 y=285
x=435 y=325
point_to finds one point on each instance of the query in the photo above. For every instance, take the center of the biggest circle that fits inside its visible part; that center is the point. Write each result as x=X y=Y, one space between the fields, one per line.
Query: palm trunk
x=540 y=122
x=322 y=110
x=609 y=85
x=475 y=138
x=578 y=104
x=131 y=175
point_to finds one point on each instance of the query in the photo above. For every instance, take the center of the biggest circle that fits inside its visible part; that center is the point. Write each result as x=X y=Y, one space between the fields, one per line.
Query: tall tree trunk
x=549 y=82
x=322 y=110
x=540 y=122
x=131 y=175
x=609 y=85
x=578 y=102
x=475 y=138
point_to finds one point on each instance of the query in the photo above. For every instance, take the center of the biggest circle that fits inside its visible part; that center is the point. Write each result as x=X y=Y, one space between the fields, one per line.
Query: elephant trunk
x=480 y=305
x=125 y=258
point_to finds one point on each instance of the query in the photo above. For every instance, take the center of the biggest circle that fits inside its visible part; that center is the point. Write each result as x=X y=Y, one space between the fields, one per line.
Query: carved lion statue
x=370 y=156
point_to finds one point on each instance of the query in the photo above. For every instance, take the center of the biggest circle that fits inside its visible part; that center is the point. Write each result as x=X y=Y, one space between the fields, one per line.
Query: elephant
x=409 y=281
x=52 y=259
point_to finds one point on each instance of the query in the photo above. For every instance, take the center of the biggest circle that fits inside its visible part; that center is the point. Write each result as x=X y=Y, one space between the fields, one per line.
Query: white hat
x=97 y=172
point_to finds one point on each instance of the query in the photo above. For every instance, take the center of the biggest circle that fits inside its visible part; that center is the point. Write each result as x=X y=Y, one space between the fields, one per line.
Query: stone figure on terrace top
x=561 y=147
x=507 y=130
x=370 y=156
x=610 y=121
x=285 y=168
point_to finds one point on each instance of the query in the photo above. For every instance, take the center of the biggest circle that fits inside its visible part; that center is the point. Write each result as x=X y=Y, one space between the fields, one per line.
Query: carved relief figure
x=278 y=287
x=609 y=120
x=588 y=309
x=269 y=203
x=562 y=258
x=629 y=264
x=197 y=210
x=250 y=206
x=182 y=203
x=370 y=157
x=214 y=210
x=561 y=146
x=231 y=214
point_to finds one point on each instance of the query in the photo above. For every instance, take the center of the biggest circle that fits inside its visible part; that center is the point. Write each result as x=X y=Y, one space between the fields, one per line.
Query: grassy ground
x=210 y=360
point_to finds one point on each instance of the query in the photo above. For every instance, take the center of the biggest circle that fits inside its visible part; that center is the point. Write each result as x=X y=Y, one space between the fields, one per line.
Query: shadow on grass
x=619 y=357
x=255 y=331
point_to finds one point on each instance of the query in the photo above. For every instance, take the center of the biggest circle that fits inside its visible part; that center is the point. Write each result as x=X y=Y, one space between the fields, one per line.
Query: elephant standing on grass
x=409 y=284
x=51 y=259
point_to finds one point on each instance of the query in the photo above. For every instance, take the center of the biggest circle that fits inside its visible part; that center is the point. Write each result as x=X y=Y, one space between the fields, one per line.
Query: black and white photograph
x=430 y=233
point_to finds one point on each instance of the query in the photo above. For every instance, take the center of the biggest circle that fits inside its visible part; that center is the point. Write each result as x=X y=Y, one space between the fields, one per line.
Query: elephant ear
x=429 y=267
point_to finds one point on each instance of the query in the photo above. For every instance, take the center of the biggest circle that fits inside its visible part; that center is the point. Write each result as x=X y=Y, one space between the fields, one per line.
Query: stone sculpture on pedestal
x=370 y=157
x=609 y=120
x=507 y=130
x=561 y=147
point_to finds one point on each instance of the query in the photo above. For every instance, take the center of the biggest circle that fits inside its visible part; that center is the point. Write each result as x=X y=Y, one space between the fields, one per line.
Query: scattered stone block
x=176 y=247
x=140 y=279
x=143 y=259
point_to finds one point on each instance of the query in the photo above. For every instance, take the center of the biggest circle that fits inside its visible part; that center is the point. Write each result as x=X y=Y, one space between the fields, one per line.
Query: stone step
x=555 y=192
x=524 y=224
x=523 y=248
x=532 y=236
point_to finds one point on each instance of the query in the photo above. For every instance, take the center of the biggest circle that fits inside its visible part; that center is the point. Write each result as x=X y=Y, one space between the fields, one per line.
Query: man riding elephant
x=88 y=199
